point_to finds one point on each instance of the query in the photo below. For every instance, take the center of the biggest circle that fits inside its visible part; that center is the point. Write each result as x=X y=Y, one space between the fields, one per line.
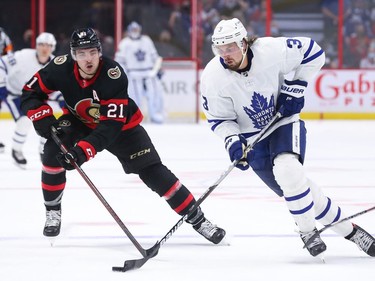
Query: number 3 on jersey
x=205 y=103
x=292 y=42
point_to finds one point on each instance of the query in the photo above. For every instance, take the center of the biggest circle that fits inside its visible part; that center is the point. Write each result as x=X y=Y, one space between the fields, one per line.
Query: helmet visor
x=226 y=50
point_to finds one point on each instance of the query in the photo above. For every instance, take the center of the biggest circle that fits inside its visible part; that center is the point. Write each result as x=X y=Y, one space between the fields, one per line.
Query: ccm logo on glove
x=39 y=113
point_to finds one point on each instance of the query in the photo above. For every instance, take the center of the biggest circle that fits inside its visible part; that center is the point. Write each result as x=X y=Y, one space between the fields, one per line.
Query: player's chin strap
x=153 y=251
x=244 y=53
x=62 y=147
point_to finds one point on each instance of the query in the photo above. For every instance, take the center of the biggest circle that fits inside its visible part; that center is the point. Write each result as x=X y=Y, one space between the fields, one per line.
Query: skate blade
x=22 y=166
x=321 y=256
x=226 y=241
x=51 y=241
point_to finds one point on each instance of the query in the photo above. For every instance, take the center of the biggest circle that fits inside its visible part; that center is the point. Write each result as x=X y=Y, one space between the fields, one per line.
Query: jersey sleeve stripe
x=3 y=66
x=217 y=123
x=42 y=86
x=309 y=49
x=312 y=57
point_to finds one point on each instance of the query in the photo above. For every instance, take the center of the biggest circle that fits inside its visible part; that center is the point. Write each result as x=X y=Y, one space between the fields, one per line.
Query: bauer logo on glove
x=291 y=99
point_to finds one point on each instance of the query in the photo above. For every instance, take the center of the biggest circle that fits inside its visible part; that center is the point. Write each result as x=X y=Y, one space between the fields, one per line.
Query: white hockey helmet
x=134 y=30
x=229 y=31
x=46 y=38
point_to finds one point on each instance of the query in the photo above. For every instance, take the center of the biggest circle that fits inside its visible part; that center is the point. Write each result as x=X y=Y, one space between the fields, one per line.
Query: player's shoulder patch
x=114 y=73
x=60 y=59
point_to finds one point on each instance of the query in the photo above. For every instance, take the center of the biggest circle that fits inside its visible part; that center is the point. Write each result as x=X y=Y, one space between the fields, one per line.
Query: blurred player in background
x=27 y=62
x=6 y=48
x=138 y=56
x=242 y=88
x=6 y=45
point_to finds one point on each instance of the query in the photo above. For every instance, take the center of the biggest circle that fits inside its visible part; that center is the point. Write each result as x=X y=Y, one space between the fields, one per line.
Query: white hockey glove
x=291 y=97
x=235 y=145
x=11 y=58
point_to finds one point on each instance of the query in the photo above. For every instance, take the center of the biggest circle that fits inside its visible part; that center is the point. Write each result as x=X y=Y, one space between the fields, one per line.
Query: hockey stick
x=335 y=223
x=62 y=147
x=153 y=251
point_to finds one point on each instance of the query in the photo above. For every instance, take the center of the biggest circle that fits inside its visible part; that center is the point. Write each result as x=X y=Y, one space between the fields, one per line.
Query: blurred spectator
x=63 y=44
x=26 y=39
x=358 y=44
x=179 y=24
x=166 y=47
x=358 y=12
x=330 y=10
x=108 y=44
x=369 y=61
x=257 y=18
x=331 y=55
x=233 y=9
x=210 y=17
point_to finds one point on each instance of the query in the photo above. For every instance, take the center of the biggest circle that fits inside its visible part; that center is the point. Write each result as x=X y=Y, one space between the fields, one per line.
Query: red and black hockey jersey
x=101 y=103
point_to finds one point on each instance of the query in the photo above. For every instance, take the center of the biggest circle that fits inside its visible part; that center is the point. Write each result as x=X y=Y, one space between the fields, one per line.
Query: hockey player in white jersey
x=242 y=88
x=138 y=56
x=13 y=78
x=6 y=48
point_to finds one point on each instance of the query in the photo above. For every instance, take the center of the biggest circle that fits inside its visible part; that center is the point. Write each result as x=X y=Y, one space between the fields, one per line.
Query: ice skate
x=210 y=231
x=19 y=159
x=53 y=223
x=2 y=147
x=363 y=240
x=157 y=118
x=316 y=247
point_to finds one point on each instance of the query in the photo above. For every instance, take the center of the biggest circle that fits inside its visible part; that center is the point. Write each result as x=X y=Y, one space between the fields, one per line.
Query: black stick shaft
x=220 y=179
x=153 y=251
x=346 y=219
x=100 y=196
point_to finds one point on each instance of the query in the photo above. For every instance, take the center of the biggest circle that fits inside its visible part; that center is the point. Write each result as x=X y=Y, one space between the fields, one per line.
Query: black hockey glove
x=291 y=97
x=80 y=153
x=75 y=154
x=235 y=145
x=43 y=119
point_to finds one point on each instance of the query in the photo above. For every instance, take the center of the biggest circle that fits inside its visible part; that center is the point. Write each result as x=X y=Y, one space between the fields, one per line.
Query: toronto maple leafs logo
x=260 y=111
x=140 y=55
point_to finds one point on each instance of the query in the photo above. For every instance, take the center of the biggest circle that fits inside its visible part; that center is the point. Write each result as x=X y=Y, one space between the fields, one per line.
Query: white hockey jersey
x=15 y=76
x=137 y=57
x=243 y=103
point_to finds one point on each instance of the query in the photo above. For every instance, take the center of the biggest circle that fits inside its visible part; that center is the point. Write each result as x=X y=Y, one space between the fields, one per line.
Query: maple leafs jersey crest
x=260 y=111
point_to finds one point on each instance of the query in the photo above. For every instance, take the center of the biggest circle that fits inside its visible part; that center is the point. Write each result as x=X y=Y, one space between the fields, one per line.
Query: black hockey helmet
x=84 y=38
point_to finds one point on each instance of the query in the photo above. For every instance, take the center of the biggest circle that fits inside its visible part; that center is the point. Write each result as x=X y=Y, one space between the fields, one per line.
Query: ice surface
x=263 y=244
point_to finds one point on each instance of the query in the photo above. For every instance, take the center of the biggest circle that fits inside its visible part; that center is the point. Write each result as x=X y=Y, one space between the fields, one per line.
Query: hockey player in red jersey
x=99 y=115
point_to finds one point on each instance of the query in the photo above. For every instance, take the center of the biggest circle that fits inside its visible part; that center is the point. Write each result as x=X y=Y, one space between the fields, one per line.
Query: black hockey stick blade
x=57 y=140
x=153 y=251
x=135 y=264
